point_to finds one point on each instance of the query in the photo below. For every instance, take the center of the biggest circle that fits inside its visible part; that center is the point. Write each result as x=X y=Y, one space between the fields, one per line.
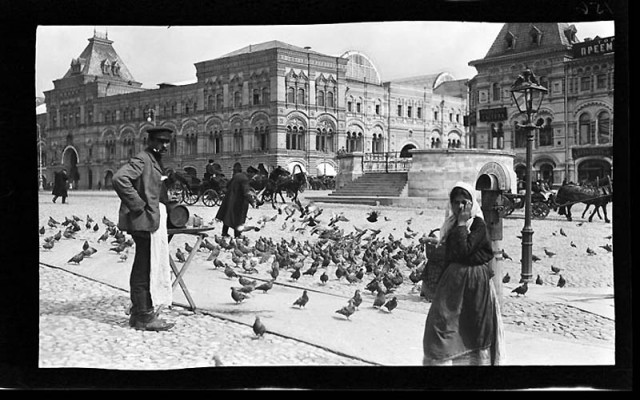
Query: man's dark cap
x=159 y=133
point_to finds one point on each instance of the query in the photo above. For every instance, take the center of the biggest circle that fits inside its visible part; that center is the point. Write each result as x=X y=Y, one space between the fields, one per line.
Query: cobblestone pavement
x=82 y=322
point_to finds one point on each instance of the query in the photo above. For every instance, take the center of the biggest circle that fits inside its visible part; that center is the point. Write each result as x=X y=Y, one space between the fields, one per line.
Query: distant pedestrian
x=209 y=170
x=143 y=194
x=234 y=207
x=60 y=185
x=464 y=326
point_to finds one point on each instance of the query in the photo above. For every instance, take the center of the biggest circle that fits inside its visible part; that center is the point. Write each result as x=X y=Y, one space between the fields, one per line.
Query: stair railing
x=385 y=162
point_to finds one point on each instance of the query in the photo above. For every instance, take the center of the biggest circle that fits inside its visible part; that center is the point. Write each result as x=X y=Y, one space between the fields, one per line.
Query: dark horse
x=266 y=183
x=597 y=195
x=292 y=184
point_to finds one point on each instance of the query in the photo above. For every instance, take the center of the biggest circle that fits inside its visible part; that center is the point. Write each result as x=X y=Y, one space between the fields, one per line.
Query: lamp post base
x=527 y=253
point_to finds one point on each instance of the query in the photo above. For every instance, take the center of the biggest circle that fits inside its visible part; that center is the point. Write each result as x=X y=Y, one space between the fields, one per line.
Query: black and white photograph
x=335 y=198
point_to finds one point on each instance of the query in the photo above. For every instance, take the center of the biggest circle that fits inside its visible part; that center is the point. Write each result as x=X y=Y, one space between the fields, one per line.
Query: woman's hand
x=464 y=212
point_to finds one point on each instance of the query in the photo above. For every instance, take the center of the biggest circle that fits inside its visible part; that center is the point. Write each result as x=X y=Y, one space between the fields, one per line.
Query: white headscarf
x=450 y=219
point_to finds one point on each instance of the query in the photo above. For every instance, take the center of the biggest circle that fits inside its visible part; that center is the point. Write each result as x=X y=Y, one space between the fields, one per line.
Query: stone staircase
x=374 y=185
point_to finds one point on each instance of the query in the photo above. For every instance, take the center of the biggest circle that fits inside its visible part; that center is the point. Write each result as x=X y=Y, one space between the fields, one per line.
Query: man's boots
x=149 y=322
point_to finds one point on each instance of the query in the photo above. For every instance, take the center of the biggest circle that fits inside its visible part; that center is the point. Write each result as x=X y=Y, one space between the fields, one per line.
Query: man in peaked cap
x=143 y=194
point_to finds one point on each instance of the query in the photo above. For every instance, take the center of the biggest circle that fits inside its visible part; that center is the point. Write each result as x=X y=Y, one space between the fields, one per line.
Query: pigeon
x=258 y=327
x=275 y=271
x=180 y=255
x=96 y=228
x=295 y=275
x=506 y=256
x=42 y=230
x=188 y=247
x=87 y=225
x=68 y=233
x=347 y=310
x=53 y=222
x=324 y=277
x=391 y=304
x=535 y=257
x=549 y=253
x=561 y=281
x=119 y=249
x=608 y=237
x=229 y=272
x=373 y=216
x=89 y=251
x=562 y=232
x=357 y=298
x=573 y=244
x=555 y=270
x=579 y=223
x=302 y=300
x=124 y=256
x=380 y=299
x=244 y=281
x=237 y=295
x=85 y=245
x=104 y=237
x=607 y=247
x=77 y=258
x=506 y=278
x=48 y=245
x=539 y=280
x=521 y=290
x=265 y=287
x=590 y=251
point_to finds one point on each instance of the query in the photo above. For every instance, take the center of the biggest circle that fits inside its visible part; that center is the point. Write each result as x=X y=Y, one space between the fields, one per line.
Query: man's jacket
x=141 y=190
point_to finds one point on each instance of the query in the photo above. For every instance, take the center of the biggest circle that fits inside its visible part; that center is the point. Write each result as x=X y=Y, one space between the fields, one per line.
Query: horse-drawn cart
x=190 y=189
x=541 y=204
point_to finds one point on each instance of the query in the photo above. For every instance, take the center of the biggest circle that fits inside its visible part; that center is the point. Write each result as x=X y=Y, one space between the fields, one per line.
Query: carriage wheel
x=539 y=209
x=210 y=198
x=190 y=197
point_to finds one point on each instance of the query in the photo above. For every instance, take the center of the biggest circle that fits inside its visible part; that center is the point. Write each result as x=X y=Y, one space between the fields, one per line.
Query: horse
x=264 y=183
x=291 y=183
x=598 y=195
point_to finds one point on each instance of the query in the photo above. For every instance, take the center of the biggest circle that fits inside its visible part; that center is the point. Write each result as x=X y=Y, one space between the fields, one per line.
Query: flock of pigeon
x=352 y=257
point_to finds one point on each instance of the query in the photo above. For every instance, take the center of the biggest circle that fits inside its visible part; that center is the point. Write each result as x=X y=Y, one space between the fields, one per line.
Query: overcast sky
x=155 y=54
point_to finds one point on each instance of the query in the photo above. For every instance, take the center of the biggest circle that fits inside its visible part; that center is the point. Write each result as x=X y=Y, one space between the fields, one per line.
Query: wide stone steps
x=375 y=185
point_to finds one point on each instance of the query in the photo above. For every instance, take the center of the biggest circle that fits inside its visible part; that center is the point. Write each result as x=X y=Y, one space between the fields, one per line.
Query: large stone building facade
x=271 y=103
x=574 y=141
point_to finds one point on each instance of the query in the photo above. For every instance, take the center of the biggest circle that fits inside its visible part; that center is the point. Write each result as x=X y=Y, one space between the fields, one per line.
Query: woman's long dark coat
x=60 y=184
x=234 y=207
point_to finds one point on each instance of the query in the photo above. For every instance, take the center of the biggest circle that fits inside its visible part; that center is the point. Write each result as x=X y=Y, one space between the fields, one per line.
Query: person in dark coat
x=143 y=194
x=234 y=207
x=464 y=325
x=60 y=185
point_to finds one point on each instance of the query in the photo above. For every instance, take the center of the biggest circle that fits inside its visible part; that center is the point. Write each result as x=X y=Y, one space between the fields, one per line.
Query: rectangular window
x=349 y=106
x=435 y=115
x=409 y=111
x=399 y=111
x=602 y=81
x=458 y=118
x=585 y=83
x=377 y=109
x=450 y=117
x=358 y=107
x=419 y=112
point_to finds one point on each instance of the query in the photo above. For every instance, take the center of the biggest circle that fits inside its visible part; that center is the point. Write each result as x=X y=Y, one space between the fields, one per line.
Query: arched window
x=320 y=99
x=237 y=140
x=546 y=132
x=211 y=104
x=330 y=99
x=520 y=136
x=604 y=128
x=215 y=141
x=237 y=99
x=376 y=143
x=256 y=97
x=301 y=99
x=265 y=96
x=291 y=95
x=295 y=138
x=584 y=129
x=219 y=102
x=496 y=91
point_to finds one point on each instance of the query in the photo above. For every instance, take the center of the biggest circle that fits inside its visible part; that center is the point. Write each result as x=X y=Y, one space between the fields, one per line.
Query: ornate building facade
x=271 y=103
x=574 y=141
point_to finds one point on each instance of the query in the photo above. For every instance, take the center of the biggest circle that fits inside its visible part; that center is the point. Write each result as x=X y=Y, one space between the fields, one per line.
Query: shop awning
x=326 y=169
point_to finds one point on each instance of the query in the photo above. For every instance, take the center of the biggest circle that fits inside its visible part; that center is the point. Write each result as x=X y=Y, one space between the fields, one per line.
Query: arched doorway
x=108 y=180
x=191 y=171
x=591 y=169
x=70 y=162
x=404 y=153
x=89 y=179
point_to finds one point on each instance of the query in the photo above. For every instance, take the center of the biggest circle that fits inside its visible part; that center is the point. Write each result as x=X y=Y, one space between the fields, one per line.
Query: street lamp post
x=527 y=93
x=151 y=115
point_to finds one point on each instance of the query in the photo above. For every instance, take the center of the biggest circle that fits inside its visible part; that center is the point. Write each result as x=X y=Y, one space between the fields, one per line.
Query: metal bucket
x=177 y=215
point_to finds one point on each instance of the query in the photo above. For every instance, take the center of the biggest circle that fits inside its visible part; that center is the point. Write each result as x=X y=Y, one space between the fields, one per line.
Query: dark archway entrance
x=404 y=153
x=70 y=162
x=108 y=180
x=592 y=169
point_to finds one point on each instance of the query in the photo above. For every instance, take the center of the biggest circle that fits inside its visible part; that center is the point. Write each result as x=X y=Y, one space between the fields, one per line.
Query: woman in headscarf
x=464 y=326
x=234 y=207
